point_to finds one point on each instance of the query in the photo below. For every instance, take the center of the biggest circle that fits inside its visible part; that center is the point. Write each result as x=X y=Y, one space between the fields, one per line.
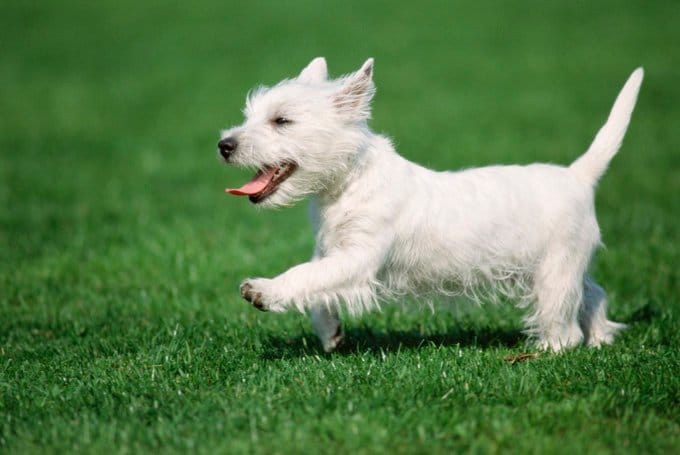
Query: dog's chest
x=348 y=225
x=336 y=230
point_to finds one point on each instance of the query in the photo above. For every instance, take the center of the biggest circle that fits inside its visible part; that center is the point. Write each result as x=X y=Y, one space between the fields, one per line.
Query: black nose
x=226 y=146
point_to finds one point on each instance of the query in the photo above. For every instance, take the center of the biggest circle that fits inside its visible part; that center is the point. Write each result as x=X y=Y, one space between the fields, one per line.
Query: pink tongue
x=256 y=185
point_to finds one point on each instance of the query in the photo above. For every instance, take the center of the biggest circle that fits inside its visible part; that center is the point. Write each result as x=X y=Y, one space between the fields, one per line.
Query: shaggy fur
x=386 y=227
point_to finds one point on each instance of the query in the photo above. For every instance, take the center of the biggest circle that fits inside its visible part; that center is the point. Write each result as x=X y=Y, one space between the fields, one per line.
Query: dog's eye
x=281 y=121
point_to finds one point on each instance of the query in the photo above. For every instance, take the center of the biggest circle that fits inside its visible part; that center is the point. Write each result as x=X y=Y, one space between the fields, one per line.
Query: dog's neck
x=366 y=146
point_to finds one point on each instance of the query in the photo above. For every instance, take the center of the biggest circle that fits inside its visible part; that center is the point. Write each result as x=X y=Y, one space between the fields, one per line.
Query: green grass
x=121 y=328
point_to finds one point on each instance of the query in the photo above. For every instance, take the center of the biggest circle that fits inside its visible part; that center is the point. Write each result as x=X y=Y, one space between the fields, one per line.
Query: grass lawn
x=121 y=328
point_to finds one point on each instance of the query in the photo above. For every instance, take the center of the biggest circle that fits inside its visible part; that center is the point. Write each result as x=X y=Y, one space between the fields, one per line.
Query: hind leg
x=593 y=320
x=327 y=325
x=558 y=292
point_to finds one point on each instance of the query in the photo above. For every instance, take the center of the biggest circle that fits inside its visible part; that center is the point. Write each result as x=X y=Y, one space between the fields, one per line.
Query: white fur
x=387 y=227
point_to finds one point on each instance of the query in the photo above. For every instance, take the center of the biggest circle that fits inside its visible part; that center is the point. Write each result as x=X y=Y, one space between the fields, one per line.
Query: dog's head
x=302 y=135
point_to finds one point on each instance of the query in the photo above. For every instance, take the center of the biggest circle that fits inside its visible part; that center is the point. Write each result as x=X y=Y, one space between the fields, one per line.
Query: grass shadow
x=366 y=340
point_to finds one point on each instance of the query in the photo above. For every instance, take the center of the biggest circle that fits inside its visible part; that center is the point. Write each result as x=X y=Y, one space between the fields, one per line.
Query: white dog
x=386 y=227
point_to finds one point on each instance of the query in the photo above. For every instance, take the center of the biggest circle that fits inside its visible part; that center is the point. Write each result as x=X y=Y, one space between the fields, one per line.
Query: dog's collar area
x=265 y=182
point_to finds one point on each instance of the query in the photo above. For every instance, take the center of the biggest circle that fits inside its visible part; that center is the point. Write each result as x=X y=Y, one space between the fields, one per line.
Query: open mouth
x=265 y=183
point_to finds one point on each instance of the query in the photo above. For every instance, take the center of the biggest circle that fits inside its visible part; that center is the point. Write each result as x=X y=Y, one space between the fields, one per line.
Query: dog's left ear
x=316 y=71
x=355 y=95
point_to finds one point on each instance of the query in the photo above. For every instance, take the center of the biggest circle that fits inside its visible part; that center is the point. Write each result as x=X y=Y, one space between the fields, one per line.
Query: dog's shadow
x=360 y=340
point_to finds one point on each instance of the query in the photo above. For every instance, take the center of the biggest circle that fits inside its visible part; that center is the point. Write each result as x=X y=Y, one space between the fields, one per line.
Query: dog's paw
x=259 y=292
x=334 y=342
x=253 y=296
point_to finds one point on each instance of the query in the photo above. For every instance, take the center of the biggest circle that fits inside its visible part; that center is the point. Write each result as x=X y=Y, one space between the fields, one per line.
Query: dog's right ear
x=316 y=71
x=356 y=92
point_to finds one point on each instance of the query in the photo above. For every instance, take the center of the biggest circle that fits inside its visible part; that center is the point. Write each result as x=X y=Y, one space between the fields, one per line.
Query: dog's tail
x=591 y=165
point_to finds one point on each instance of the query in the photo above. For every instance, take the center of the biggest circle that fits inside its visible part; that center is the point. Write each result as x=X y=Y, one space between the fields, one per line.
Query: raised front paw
x=251 y=295
x=259 y=292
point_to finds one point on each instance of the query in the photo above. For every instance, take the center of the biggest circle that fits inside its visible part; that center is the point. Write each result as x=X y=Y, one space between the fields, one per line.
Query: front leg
x=348 y=276
x=327 y=325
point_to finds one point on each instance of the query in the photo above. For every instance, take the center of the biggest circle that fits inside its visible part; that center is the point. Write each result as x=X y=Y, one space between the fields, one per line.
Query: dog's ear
x=356 y=92
x=316 y=71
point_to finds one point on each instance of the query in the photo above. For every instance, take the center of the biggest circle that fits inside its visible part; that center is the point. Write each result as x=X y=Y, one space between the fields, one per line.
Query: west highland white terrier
x=387 y=228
